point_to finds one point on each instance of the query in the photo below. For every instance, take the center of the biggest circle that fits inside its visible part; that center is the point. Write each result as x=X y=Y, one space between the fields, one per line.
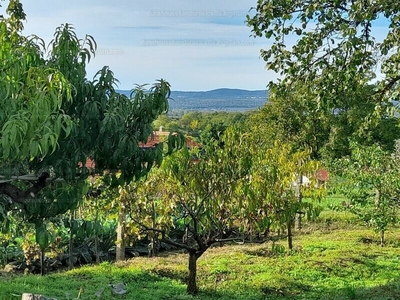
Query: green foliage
x=10 y=252
x=53 y=118
x=212 y=133
x=201 y=125
x=334 y=44
x=42 y=235
x=31 y=93
x=326 y=75
x=294 y=118
x=298 y=117
x=206 y=189
x=371 y=182
x=273 y=188
x=149 y=206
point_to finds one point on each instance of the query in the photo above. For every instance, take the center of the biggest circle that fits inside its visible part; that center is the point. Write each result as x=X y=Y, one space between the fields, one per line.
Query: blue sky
x=195 y=45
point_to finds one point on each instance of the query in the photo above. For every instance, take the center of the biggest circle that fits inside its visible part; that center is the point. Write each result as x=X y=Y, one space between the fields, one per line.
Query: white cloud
x=195 y=45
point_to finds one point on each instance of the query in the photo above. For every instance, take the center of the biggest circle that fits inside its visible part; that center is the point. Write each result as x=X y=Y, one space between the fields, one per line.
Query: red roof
x=161 y=136
x=322 y=175
x=158 y=137
x=90 y=164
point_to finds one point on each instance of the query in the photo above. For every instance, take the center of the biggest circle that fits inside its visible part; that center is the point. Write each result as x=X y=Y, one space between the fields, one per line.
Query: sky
x=194 y=45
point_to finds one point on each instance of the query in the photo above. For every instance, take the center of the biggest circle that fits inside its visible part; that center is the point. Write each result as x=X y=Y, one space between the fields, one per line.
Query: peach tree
x=53 y=118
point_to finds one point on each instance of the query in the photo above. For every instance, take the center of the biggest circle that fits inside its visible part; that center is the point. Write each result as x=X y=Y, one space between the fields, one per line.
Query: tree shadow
x=389 y=291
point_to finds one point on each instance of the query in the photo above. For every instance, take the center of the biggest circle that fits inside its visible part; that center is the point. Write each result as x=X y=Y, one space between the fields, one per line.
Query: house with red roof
x=156 y=138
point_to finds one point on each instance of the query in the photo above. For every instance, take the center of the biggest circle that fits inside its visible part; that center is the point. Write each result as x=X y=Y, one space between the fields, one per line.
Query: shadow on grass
x=295 y=290
x=389 y=291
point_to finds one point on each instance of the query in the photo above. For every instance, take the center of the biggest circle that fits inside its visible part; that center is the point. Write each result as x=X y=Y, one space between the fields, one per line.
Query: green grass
x=333 y=212
x=340 y=260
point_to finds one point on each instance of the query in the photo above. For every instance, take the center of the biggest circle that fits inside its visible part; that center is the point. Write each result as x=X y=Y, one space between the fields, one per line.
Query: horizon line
x=202 y=91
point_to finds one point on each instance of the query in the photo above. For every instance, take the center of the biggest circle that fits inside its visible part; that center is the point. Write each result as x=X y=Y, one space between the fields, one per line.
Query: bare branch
x=236 y=240
x=179 y=245
x=18 y=195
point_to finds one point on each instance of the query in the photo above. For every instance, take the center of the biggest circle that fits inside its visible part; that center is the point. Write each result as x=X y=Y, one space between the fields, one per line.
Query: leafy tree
x=293 y=118
x=53 y=118
x=212 y=133
x=370 y=180
x=335 y=44
x=147 y=208
x=200 y=194
x=273 y=192
x=296 y=116
x=333 y=61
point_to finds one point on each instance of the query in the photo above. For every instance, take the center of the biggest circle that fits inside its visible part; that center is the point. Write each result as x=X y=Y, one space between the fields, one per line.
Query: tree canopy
x=295 y=116
x=369 y=178
x=339 y=80
x=336 y=44
x=53 y=118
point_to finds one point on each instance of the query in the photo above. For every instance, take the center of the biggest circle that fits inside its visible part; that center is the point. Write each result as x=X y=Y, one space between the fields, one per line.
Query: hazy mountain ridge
x=223 y=99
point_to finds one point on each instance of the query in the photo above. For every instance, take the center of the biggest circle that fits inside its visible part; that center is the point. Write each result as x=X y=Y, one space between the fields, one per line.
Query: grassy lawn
x=333 y=259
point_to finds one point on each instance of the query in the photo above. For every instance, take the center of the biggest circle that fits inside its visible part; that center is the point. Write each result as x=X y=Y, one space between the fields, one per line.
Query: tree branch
x=179 y=245
x=18 y=195
x=387 y=87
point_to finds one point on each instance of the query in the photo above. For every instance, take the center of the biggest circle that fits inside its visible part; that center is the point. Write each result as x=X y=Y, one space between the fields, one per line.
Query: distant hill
x=217 y=100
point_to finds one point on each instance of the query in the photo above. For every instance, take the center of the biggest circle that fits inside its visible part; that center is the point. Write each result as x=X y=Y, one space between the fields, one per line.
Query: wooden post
x=120 y=245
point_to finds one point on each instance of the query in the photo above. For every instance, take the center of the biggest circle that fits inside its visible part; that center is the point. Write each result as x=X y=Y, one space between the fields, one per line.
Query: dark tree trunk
x=96 y=239
x=192 y=277
x=382 y=238
x=96 y=247
x=289 y=235
x=42 y=268
x=71 y=244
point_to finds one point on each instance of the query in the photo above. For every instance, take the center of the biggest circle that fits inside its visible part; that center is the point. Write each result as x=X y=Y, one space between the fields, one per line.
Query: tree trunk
x=96 y=246
x=120 y=245
x=154 y=246
x=42 y=267
x=71 y=244
x=289 y=235
x=96 y=239
x=192 y=278
x=382 y=238
x=298 y=224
